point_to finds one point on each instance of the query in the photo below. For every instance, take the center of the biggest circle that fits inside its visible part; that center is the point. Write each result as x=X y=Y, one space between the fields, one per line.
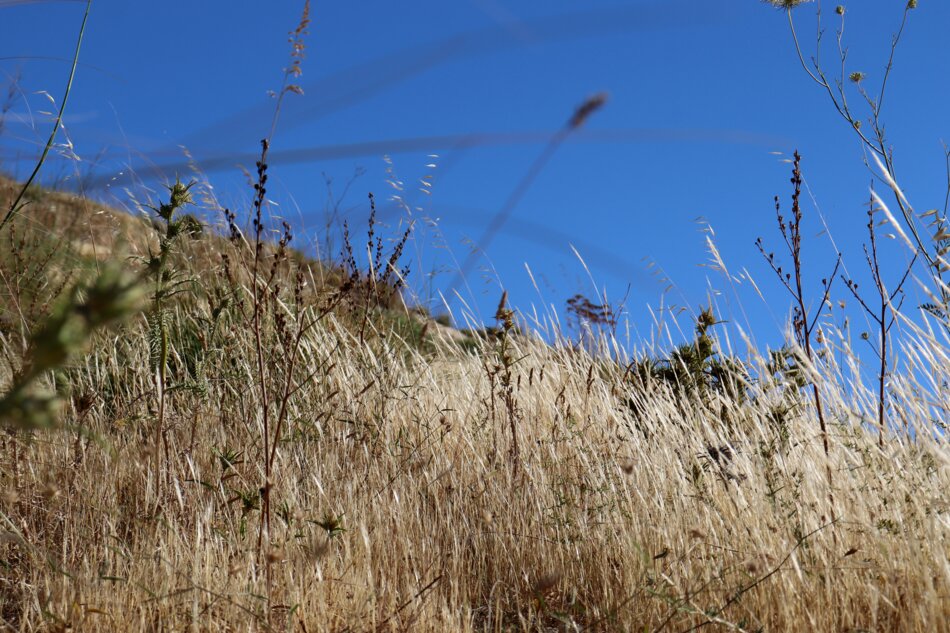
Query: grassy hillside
x=268 y=443
x=203 y=429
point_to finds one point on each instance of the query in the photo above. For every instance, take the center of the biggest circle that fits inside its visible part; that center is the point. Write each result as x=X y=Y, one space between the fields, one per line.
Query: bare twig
x=884 y=313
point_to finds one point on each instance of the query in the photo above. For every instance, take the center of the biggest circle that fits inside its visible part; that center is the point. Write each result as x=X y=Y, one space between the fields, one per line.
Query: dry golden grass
x=307 y=454
x=397 y=504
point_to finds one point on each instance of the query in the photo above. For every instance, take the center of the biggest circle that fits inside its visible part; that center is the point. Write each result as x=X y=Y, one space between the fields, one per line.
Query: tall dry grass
x=306 y=453
x=397 y=504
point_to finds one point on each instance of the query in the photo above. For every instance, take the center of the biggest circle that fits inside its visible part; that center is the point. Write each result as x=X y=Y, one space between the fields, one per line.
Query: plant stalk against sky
x=262 y=289
x=803 y=323
x=580 y=116
x=499 y=368
x=15 y=205
x=167 y=284
x=884 y=314
x=876 y=141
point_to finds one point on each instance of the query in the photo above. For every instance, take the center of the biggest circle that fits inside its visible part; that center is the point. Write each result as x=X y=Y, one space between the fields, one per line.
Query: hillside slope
x=264 y=450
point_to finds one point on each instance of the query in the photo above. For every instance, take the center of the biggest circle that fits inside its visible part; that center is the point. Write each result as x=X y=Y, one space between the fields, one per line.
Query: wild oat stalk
x=578 y=118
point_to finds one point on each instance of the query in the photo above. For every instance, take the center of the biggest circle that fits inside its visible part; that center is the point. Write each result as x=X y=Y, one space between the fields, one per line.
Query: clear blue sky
x=702 y=95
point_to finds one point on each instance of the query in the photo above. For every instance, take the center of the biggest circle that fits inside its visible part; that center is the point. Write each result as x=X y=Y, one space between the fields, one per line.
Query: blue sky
x=703 y=98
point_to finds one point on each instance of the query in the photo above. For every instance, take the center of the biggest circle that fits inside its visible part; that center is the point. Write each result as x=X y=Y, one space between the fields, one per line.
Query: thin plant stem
x=15 y=206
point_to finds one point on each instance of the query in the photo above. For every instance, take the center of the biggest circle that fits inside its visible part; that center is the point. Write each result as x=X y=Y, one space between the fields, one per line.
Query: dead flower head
x=785 y=4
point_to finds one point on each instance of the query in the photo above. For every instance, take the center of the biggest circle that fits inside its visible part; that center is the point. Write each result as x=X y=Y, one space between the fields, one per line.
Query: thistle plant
x=694 y=370
x=498 y=367
x=112 y=296
x=167 y=282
